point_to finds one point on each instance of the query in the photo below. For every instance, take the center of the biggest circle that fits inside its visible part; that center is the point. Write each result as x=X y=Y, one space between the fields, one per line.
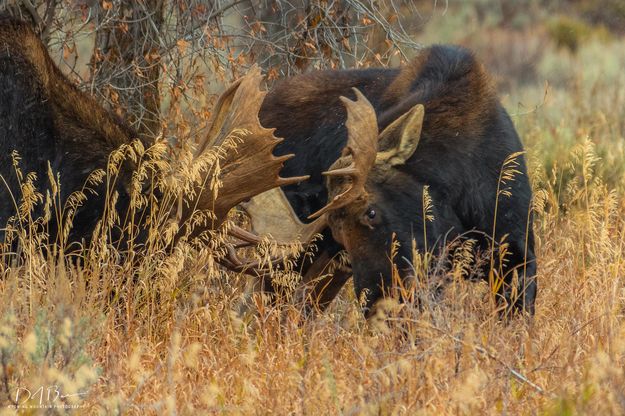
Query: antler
x=359 y=154
x=248 y=170
x=271 y=213
x=249 y=167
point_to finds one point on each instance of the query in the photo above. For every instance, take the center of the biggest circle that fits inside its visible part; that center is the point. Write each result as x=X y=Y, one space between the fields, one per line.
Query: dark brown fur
x=71 y=106
x=47 y=119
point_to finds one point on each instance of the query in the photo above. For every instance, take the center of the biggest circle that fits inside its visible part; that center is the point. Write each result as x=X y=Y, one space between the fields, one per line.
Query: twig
x=516 y=374
x=33 y=13
x=49 y=17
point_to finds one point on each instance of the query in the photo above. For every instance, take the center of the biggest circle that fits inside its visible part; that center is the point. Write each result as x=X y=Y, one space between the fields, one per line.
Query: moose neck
x=70 y=102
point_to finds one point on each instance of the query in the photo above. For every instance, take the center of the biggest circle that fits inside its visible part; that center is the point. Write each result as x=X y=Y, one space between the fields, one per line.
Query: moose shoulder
x=442 y=132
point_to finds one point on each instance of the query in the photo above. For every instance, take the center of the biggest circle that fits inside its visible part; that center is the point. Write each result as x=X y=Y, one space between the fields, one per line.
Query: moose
x=380 y=136
x=58 y=130
x=384 y=138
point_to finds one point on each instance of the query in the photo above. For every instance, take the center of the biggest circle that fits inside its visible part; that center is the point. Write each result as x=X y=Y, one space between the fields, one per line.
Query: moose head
x=365 y=211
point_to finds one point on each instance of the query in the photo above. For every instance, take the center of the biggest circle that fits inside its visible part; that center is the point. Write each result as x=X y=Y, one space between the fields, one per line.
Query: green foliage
x=607 y=13
x=47 y=364
x=570 y=33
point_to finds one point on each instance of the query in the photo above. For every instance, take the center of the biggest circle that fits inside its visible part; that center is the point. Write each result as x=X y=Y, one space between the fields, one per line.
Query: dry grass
x=160 y=336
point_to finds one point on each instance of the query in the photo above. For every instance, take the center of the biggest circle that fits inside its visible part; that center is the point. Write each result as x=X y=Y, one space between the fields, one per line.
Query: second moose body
x=456 y=148
x=61 y=132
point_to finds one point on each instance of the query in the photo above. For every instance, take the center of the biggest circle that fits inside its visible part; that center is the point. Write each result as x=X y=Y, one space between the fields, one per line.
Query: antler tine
x=233 y=262
x=215 y=137
x=244 y=235
x=360 y=151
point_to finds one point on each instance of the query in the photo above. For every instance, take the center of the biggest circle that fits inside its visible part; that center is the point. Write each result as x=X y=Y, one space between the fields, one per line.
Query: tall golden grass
x=158 y=333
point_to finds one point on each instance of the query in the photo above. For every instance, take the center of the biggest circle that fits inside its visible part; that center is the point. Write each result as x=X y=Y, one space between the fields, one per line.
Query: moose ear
x=404 y=133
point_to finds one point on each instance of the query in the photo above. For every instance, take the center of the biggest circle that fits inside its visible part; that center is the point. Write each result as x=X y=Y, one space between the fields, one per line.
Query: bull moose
x=441 y=126
x=57 y=129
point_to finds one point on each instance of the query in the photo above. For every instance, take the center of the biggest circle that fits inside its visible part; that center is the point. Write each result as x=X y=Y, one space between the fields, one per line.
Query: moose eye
x=371 y=213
